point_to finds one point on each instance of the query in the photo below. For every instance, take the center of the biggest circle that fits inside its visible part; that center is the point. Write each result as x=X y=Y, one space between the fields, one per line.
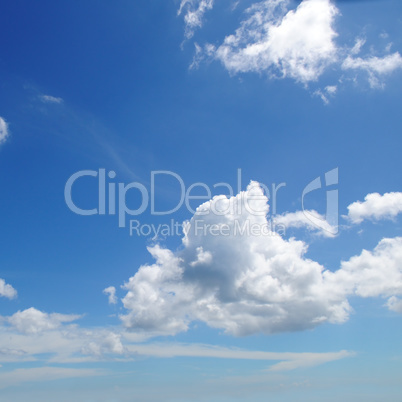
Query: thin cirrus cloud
x=375 y=207
x=50 y=99
x=244 y=279
x=299 y=43
x=4 y=132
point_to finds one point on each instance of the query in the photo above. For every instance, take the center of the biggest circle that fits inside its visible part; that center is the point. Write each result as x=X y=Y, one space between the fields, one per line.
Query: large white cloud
x=4 y=133
x=236 y=275
x=7 y=290
x=376 y=207
x=299 y=44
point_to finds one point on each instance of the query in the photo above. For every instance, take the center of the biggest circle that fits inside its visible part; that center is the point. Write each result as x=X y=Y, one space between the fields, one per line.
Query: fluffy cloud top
x=236 y=275
x=7 y=290
x=376 y=207
x=33 y=321
x=4 y=133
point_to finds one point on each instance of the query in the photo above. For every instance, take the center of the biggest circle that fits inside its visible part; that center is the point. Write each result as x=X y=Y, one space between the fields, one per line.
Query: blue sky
x=274 y=94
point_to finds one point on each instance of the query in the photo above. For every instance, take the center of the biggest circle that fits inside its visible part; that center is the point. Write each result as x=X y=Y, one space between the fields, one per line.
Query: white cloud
x=376 y=67
x=326 y=93
x=7 y=290
x=4 y=133
x=297 y=43
x=253 y=281
x=236 y=275
x=395 y=304
x=376 y=207
x=70 y=344
x=111 y=292
x=360 y=42
x=376 y=273
x=195 y=10
x=33 y=321
x=50 y=99
x=300 y=219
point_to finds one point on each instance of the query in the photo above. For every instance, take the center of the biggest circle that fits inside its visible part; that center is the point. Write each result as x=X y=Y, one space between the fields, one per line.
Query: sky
x=200 y=200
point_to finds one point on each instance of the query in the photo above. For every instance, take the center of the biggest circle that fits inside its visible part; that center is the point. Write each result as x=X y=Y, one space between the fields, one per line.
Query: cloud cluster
x=7 y=290
x=236 y=275
x=298 y=43
x=375 y=207
x=4 y=133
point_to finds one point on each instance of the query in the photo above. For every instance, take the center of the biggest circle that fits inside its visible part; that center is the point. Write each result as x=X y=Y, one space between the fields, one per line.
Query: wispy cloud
x=50 y=99
x=376 y=67
x=4 y=133
x=194 y=11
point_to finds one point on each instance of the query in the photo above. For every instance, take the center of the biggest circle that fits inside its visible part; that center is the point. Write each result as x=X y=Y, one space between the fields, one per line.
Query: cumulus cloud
x=376 y=273
x=376 y=67
x=111 y=292
x=33 y=321
x=4 y=133
x=194 y=11
x=7 y=290
x=234 y=274
x=376 y=207
x=297 y=43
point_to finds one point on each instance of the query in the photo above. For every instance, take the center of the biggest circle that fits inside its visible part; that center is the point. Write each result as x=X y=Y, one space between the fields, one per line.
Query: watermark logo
x=112 y=197
x=331 y=219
